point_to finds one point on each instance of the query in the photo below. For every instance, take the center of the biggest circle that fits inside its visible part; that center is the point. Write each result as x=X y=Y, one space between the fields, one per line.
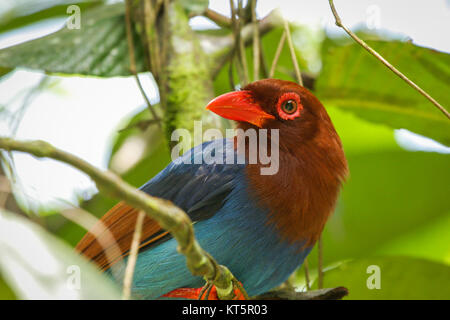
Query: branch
x=293 y=55
x=226 y=44
x=169 y=216
x=320 y=263
x=239 y=46
x=217 y=18
x=129 y=271
x=385 y=62
x=256 y=54
x=307 y=278
x=277 y=54
x=289 y=294
x=131 y=55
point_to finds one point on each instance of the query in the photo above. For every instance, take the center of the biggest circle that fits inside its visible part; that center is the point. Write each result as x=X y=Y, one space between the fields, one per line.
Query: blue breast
x=228 y=223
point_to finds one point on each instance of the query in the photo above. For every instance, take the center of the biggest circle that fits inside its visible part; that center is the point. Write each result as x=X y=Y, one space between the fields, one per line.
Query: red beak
x=239 y=106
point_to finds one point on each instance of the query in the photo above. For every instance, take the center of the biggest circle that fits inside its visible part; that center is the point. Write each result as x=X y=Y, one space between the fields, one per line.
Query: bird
x=260 y=226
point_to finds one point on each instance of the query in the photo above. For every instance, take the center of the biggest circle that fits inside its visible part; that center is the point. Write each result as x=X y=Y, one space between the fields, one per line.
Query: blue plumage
x=228 y=223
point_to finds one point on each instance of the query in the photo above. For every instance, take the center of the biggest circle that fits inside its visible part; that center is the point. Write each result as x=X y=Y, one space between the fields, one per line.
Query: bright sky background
x=81 y=114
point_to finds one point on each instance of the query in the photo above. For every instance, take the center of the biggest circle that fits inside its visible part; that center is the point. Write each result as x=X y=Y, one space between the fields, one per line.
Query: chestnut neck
x=303 y=193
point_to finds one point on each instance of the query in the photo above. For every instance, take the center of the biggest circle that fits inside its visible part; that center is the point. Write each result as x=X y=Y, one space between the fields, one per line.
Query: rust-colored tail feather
x=109 y=241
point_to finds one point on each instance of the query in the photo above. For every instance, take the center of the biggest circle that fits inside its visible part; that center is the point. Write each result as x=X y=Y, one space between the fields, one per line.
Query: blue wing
x=199 y=189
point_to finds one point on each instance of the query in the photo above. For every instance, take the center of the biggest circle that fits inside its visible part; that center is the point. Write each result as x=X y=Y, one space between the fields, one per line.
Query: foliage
x=401 y=278
x=393 y=211
x=30 y=253
x=368 y=89
x=97 y=48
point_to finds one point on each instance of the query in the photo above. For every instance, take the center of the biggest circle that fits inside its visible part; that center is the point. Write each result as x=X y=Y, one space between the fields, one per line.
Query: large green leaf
x=98 y=48
x=6 y=292
x=400 y=278
x=430 y=240
x=354 y=80
x=388 y=194
x=36 y=265
x=4 y=71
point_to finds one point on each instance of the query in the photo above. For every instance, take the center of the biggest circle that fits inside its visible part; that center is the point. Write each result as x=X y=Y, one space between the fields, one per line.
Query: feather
x=260 y=226
x=121 y=222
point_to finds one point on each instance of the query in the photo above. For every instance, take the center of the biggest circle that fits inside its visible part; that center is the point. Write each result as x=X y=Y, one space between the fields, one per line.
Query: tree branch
x=277 y=54
x=224 y=51
x=131 y=55
x=217 y=18
x=129 y=271
x=320 y=263
x=298 y=74
x=169 y=216
x=385 y=62
x=256 y=54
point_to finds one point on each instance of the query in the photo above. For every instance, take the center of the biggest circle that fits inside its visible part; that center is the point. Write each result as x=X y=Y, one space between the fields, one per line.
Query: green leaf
x=400 y=278
x=18 y=13
x=5 y=291
x=354 y=80
x=390 y=196
x=98 y=48
x=430 y=241
x=4 y=71
x=36 y=265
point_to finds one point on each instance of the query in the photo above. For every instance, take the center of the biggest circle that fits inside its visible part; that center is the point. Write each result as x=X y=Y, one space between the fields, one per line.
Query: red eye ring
x=286 y=104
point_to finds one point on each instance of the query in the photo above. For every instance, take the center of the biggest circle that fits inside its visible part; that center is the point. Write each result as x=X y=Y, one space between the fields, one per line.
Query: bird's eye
x=289 y=106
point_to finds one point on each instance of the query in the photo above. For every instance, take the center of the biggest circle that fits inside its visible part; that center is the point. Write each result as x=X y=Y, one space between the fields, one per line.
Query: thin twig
x=141 y=125
x=164 y=36
x=235 y=49
x=202 y=291
x=385 y=62
x=239 y=286
x=293 y=55
x=228 y=45
x=130 y=36
x=277 y=54
x=256 y=49
x=147 y=101
x=133 y=60
x=265 y=72
x=320 y=263
x=217 y=18
x=129 y=271
x=307 y=278
x=231 y=75
x=169 y=216
x=150 y=15
x=97 y=228
x=208 y=292
x=242 y=54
